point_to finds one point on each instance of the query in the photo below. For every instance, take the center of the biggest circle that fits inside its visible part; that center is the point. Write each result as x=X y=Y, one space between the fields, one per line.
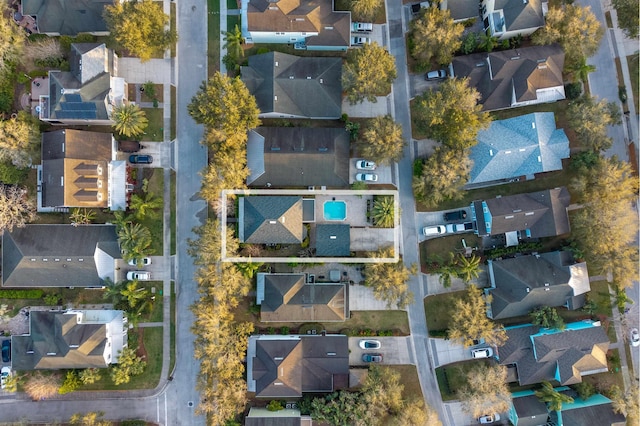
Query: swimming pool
x=335 y=210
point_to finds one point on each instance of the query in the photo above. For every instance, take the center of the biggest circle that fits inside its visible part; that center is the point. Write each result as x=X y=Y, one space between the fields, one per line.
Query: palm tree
x=120 y=219
x=487 y=41
x=82 y=216
x=249 y=269
x=129 y=120
x=145 y=205
x=446 y=272
x=553 y=398
x=113 y=291
x=382 y=211
x=135 y=241
x=233 y=43
x=581 y=70
x=134 y=294
x=467 y=268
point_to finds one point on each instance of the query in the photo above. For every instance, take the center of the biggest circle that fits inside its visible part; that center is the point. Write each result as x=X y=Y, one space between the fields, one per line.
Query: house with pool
x=310 y=226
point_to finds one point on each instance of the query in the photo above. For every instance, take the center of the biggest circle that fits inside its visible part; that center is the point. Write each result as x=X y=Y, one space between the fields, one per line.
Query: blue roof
x=518 y=146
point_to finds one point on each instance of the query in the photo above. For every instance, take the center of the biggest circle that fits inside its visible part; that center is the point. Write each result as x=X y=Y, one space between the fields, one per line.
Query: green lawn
x=172 y=352
x=452 y=377
x=444 y=245
x=156 y=182
x=173 y=27
x=154 y=131
x=159 y=94
x=232 y=21
x=155 y=315
x=213 y=36
x=634 y=71
x=437 y=309
x=173 y=129
x=409 y=378
x=172 y=217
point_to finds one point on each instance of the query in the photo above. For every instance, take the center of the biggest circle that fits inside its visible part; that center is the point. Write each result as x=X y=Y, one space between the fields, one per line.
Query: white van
x=434 y=230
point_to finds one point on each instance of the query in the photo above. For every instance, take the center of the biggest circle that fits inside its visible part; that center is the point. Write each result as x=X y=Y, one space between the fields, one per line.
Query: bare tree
x=16 y=209
x=42 y=386
x=486 y=390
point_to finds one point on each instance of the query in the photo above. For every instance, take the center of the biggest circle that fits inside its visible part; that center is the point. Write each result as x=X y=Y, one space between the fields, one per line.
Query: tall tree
x=382 y=212
x=146 y=205
x=467 y=268
x=626 y=403
x=469 y=320
x=129 y=120
x=552 y=397
x=129 y=364
x=485 y=390
x=590 y=118
x=226 y=107
x=16 y=209
x=365 y=10
x=389 y=280
x=575 y=28
x=581 y=70
x=415 y=413
x=133 y=294
x=12 y=40
x=443 y=177
x=82 y=216
x=89 y=376
x=381 y=140
x=487 y=41
x=451 y=114
x=628 y=12
x=382 y=391
x=547 y=317
x=135 y=241
x=233 y=43
x=41 y=386
x=139 y=27
x=434 y=37
x=368 y=72
x=19 y=139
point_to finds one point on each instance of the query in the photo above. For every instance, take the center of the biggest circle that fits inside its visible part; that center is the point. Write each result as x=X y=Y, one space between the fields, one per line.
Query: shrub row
x=21 y=294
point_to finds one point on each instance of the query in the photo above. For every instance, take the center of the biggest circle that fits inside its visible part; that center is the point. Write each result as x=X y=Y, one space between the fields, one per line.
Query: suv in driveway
x=6 y=350
x=455 y=215
x=140 y=159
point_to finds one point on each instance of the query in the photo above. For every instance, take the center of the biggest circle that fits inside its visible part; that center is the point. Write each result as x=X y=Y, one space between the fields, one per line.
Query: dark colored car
x=455 y=215
x=372 y=357
x=129 y=146
x=140 y=159
x=6 y=350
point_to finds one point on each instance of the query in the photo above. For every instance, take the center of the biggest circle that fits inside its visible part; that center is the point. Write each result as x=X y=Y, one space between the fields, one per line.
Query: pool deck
x=356 y=209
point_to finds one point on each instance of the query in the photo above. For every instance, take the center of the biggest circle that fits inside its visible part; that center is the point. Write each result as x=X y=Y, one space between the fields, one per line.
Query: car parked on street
x=6 y=350
x=436 y=75
x=481 y=353
x=4 y=375
x=455 y=215
x=372 y=357
x=145 y=261
x=488 y=419
x=140 y=159
x=362 y=27
x=139 y=275
x=365 y=165
x=370 y=344
x=367 y=177
x=634 y=338
x=434 y=230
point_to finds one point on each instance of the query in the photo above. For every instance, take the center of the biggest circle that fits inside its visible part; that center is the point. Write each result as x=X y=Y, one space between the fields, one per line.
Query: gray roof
x=68 y=17
x=58 y=340
x=549 y=354
x=462 y=9
x=59 y=255
x=518 y=146
x=292 y=365
x=270 y=219
x=544 y=213
x=530 y=411
x=291 y=85
x=581 y=412
x=289 y=157
x=333 y=240
x=288 y=298
x=524 y=283
x=511 y=76
x=259 y=416
x=521 y=15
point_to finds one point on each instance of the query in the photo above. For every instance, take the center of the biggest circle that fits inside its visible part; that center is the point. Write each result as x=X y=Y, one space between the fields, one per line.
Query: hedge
x=21 y=294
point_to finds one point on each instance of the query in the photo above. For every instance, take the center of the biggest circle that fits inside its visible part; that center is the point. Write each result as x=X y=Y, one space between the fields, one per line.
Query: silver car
x=367 y=177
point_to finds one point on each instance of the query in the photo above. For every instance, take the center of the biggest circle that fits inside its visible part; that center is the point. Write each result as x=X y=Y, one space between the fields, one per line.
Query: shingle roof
x=521 y=15
x=298 y=157
x=67 y=17
x=547 y=355
x=333 y=240
x=518 y=146
x=270 y=219
x=530 y=411
x=58 y=255
x=299 y=86
x=527 y=282
x=288 y=298
x=583 y=412
x=512 y=76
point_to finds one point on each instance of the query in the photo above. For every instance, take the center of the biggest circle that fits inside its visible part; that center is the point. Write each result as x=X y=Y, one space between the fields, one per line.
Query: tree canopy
x=389 y=280
x=129 y=364
x=628 y=12
x=382 y=212
x=365 y=10
x=469 y=320
x=552 y=397
x=16 y=209
x=589 y=118
x=575 y=28
x=42 y=386
x=381 y=141
x=12 y=39
x=486 y=390
x=442 y=177
x=19 y=139
x=547 y=317
x=434 y=37
x=135 y=241
x=368 y=72
x=139 y=27
x=129 y=120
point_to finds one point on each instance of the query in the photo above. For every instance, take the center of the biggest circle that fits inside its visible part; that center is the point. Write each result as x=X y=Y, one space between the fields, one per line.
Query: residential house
x=306 y=24
x=518 y=147
x=270 y=220
x=56 y=18
x=506 y=19
x=521 y=284
x=298 y=298
x=70 y=340
x=514 y=78
x=287 y=86
x=80 y=169
x=533 y=215
x=564 y=356
x=527 y=410
x=289 y=366
x=290 y=157
x=461 y=10
x=88 y=92
x=59 y=256
x=286 y=417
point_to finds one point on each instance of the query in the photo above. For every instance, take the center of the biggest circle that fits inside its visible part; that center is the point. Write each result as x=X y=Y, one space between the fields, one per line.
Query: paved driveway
x=437 y=218
x=394 y=350
x=449 y=351
x=385 y=173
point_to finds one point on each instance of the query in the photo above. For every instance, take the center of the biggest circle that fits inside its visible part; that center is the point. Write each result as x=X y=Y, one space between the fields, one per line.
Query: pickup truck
x=362 y=27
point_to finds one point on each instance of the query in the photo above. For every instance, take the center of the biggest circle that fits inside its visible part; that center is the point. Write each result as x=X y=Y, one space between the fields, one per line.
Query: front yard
x=452 y=377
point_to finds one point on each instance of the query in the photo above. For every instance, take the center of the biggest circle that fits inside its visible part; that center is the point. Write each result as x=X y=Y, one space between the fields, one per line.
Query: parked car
x=417 y=7
x=436 y=75
x=372 y=357
x=140 y=159
x=362 y=26
x=488 y=419
x=138 y=275
x=481 y=353
x=365 y=165
x=434 y=230
x=359 y=41
x=370 y=344
x=4 y=375
x=129 y=146
x=367 y=177
x=143 y=262
x=455 y=215
x=459 y=227
x=635 y=337
x=6 y=350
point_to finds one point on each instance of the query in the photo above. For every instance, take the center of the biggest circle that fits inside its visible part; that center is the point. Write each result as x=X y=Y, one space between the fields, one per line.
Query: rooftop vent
x=321 y=81
x=491 y=152
x=273 y=222
x=290 y=77
x=533 y=125
x=333 y=237
x=331 y=354
x=308 y=77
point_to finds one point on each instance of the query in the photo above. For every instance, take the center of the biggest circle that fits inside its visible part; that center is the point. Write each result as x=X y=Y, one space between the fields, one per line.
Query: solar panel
x=72 y=97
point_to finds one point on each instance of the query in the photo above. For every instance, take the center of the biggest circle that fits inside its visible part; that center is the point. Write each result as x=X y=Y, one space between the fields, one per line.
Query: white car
x=488 y=419
x=359 y=41
x=369 y=344
x=634 y=338
x=367 y=177
x=138 y=275
x=365 y=165
x=4 y=375
x=481 y=353
x=362 y=26
x=143 y=262
x=434 y=230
